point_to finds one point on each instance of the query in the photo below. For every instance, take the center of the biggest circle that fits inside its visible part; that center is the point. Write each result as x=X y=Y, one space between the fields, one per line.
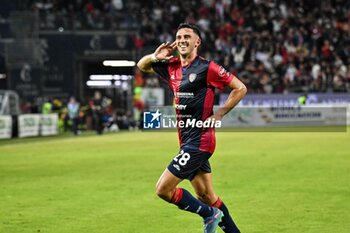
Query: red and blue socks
x=185 y=201
x=226 y=224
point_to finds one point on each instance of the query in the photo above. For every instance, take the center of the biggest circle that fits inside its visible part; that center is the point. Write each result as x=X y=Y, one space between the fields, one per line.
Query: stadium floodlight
x=126 y=77
x=99 y=83
x=119 y=63
x=125 y=86
x=123 y=77
x=101 y=77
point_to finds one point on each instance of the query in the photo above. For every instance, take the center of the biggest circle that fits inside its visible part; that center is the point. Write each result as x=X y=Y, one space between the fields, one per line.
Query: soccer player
x=193 y=80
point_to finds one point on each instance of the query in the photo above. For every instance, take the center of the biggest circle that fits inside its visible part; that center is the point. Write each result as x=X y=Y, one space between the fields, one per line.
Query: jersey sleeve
x=218 y=77
x=161 y=68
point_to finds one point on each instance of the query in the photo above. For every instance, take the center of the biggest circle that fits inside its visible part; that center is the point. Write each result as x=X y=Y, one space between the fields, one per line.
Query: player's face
x=187 y=41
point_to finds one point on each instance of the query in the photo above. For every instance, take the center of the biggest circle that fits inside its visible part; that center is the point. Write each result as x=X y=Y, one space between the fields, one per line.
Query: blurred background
x=286 y=52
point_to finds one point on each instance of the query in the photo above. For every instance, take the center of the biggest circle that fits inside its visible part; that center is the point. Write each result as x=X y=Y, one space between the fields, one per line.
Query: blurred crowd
x=81 y=14
x=274 y=46
x=94 y=113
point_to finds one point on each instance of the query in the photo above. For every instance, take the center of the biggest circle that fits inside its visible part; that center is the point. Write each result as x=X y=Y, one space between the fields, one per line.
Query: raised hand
x=163 y=52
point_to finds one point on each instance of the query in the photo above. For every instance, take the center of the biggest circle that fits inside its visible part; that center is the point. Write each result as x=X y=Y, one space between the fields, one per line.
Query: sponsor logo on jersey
x=222 y=71
x=186 y=95
x=192 y=77
x=180 y=106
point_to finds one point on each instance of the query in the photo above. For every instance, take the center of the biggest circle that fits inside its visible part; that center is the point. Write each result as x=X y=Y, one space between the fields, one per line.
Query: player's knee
x=205 y=197
x=159 y=191
x=163 y=193
x=202 y=197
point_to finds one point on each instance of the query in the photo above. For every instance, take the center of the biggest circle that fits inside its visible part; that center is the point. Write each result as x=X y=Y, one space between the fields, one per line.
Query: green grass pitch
x=271 y=182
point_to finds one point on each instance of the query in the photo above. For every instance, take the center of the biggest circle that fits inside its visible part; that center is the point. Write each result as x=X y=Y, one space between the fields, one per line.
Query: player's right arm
x=163 y=52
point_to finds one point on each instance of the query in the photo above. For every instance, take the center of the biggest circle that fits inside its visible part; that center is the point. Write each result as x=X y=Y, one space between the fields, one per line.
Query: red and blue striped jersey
x=193 y=88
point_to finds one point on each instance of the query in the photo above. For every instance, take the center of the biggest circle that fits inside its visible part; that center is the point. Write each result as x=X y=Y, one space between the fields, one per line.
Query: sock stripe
x=177 y=196
x=217 y=204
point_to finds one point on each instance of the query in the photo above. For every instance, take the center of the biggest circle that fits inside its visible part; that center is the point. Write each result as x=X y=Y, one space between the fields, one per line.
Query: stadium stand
x=273 y=46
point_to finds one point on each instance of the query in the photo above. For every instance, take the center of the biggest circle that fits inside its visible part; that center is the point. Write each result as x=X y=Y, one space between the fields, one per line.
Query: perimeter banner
x=5 y=127
x=290 y=99
x=49 y=124
x=28 y=125
x=31 y=125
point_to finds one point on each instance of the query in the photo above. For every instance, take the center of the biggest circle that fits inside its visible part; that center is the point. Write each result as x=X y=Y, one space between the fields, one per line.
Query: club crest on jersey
x=192 y=77
x=222 y=71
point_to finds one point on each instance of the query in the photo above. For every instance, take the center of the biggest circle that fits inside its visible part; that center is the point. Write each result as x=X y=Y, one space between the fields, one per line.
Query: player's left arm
x=237 y=93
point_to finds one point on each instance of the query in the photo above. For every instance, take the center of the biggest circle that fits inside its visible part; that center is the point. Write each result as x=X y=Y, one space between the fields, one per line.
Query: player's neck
x=186 y=60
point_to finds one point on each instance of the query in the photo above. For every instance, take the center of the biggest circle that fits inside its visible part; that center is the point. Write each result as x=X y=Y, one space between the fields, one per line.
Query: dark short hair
x=192 y=26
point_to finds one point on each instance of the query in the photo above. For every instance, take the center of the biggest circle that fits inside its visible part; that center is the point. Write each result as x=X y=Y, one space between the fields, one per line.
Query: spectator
x=281 y=35
x=73 y=108
x=97 y=112
x=47 y=107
